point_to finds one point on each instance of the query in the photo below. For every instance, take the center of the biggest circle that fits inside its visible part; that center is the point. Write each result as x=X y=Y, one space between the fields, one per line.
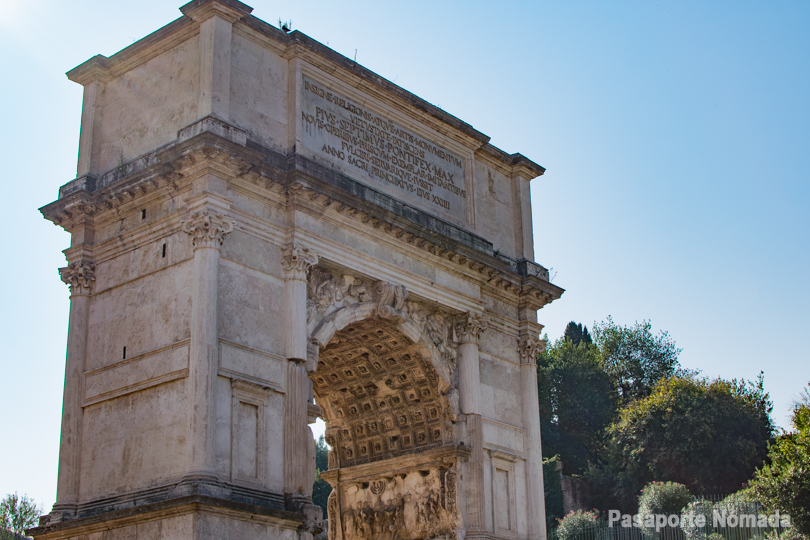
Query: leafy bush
x=662 y=498
x=737 y=504
x=579 y=523
x=784 y=484
x=694 y=509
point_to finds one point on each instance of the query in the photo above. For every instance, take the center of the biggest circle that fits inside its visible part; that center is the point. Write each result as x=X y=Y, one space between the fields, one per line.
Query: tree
x=635 y=358
x=321 y=488
x=784 y=483
x=577 y=333
x=577 y=402
x=707 y=435
x=18 y=513
x=552 y=492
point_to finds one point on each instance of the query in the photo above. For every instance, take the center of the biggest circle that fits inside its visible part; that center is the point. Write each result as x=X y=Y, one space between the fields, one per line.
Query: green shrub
x=576 y=524
x=689 y=527
x=784 y=483
x=662 y=498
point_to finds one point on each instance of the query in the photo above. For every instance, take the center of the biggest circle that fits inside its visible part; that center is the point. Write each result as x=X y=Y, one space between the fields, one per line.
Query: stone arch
x=394 y=462
x=354 y=313
x=382 y=368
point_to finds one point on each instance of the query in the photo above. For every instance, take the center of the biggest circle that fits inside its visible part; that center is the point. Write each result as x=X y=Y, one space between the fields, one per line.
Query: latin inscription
x=380 y=150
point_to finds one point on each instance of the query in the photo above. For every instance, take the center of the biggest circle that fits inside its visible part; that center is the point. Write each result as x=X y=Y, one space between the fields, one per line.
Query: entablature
x=306 y=183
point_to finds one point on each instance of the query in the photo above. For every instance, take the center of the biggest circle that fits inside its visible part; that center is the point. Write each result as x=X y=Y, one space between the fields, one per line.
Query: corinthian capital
x=528 y=349
x=79 y=276
x=297 y=260
x=207 y=227
x=469 y=327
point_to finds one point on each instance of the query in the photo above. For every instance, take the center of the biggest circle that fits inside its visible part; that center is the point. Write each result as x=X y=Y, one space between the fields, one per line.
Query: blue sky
x=675 y=135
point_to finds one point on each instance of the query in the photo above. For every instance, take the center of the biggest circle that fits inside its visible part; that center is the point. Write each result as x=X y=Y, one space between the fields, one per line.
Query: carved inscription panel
x=382 y=154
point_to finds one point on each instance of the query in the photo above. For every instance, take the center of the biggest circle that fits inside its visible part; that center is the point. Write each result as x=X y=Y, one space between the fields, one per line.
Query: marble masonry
x=264 y=233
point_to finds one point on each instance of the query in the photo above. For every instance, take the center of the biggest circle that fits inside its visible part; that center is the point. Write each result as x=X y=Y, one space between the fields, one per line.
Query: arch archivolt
x=336 y=300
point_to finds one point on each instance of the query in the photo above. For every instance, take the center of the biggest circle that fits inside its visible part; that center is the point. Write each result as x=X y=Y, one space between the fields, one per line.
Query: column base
x=59 y=513
x=302 y=504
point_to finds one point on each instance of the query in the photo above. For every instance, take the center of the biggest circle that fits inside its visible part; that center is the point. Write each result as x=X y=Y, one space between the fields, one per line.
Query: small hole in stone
x=125 y=353
x=143 y=213
x=164 y=250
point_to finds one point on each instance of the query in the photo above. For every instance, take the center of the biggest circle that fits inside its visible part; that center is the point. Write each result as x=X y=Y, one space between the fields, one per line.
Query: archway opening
x=393 y=463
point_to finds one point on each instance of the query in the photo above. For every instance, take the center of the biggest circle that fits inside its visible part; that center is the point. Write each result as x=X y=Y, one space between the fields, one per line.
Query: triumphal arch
x=264 y=233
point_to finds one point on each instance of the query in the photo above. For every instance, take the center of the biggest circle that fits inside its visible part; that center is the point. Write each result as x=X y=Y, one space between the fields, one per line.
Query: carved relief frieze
x=415 y=505
x=207 y=227
x=79 y=276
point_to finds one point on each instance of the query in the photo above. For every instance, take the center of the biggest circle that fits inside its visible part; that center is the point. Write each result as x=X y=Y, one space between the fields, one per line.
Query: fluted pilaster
x=207 y=226
x=299 y=469
x=80 y=276
x=528 y=349
x=467 y=332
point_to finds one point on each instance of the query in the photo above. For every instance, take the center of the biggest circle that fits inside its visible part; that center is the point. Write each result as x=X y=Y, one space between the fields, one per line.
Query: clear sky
x=676 y=137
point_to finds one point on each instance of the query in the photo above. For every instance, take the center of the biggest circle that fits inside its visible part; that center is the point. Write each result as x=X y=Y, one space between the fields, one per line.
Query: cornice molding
x=173 y=166
x=103 y=68
x=229 y=10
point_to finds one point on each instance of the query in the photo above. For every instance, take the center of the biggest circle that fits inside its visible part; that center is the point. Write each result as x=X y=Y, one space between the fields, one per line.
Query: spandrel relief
x=330 y=291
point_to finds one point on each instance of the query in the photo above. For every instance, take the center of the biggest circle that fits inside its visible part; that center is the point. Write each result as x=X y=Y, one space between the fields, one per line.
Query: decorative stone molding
x=79 y=276
x=437 y=327
x=391 y=301
x=152 y=172
x=313 y=353
x=326 y=294
x=297 y=260
x=469 y=327
x=207 y=227
x=529 y=348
